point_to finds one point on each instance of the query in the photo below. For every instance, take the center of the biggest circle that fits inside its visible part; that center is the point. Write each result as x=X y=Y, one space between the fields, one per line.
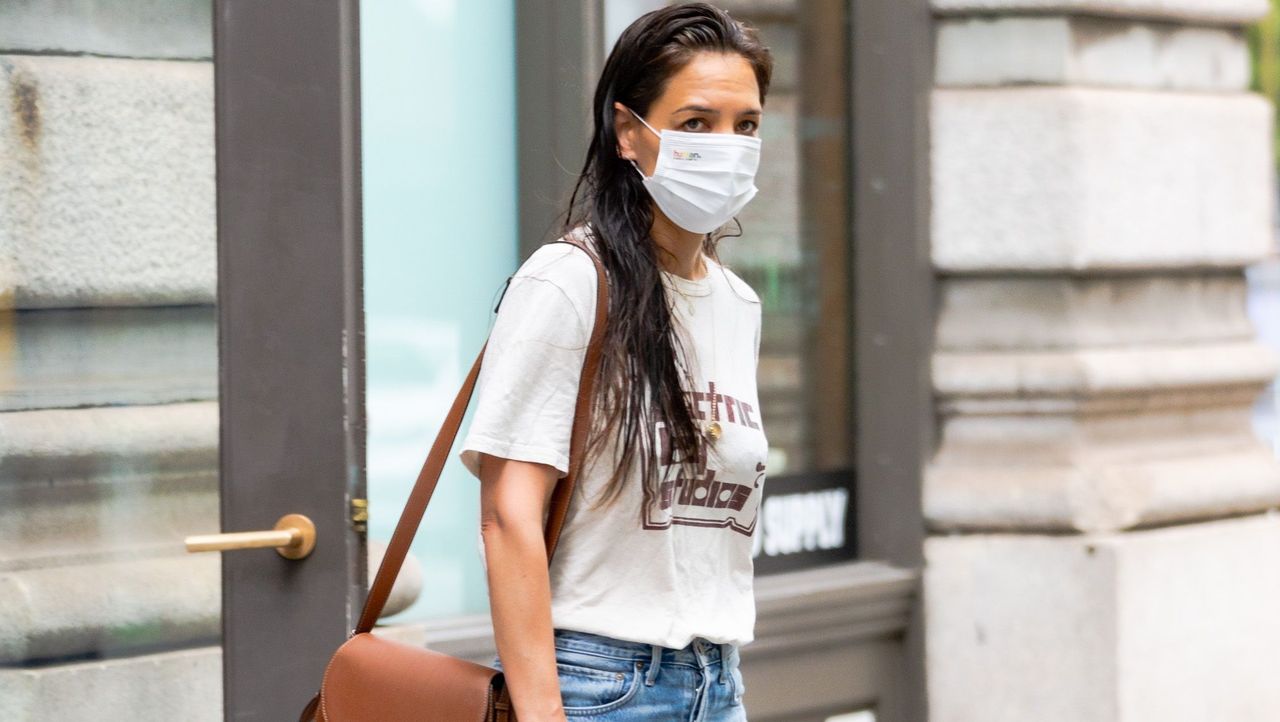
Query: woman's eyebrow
x=711 y=111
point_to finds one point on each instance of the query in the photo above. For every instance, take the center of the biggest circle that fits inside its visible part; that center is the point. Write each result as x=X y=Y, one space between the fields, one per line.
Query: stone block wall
x=1103 y=526
x=108 y=354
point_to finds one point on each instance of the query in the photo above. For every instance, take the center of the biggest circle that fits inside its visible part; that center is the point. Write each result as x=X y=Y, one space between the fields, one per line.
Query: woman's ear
x=623 y=127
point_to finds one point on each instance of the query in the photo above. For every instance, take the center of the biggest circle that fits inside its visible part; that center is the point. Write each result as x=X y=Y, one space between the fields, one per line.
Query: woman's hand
x=514 y=497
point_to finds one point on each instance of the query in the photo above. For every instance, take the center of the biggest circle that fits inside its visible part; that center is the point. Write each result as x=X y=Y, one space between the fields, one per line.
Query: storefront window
x=438 y=110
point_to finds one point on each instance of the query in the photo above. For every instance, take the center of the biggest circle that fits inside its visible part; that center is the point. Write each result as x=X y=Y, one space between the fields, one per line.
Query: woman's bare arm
x=514 y=497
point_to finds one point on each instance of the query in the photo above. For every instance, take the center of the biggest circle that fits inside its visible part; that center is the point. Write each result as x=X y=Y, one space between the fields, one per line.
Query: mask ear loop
x=651 y=130
x=642 y=120
x=637 y=167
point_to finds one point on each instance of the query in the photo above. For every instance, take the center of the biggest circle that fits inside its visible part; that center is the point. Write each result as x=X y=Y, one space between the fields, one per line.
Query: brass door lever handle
x=294 y=537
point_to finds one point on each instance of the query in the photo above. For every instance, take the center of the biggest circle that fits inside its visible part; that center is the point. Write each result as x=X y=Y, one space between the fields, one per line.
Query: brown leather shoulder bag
x=373 y=679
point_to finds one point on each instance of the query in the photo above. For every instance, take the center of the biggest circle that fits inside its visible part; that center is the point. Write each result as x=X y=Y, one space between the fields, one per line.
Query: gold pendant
x=713 y=430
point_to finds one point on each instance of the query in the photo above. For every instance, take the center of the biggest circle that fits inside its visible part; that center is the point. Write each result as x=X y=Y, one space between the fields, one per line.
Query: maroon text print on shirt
x=710 y=497
x=711 y=405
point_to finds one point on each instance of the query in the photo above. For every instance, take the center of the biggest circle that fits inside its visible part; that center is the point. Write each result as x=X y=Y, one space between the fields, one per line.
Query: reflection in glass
x=438 y=108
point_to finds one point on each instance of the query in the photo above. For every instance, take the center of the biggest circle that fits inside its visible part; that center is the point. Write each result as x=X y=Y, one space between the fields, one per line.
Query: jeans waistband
x=627 y=649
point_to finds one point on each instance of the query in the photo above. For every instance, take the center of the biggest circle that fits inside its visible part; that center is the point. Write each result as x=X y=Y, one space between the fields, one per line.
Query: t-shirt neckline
x=689 y=286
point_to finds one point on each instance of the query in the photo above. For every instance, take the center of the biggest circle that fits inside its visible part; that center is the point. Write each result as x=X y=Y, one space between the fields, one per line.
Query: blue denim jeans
x=615 y=680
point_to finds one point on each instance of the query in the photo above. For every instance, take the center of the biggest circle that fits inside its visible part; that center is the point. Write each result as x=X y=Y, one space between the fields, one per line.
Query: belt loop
x=655 y=662
x=725 y=649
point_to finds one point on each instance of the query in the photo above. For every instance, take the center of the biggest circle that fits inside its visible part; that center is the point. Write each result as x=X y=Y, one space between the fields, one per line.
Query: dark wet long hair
x=639 y=382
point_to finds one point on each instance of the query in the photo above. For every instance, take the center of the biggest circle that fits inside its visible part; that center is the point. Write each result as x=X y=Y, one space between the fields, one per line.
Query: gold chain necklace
x=675 y=285
x=711 y=428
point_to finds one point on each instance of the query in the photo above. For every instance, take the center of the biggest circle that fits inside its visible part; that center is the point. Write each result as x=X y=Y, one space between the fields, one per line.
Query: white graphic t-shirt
x=657 y=566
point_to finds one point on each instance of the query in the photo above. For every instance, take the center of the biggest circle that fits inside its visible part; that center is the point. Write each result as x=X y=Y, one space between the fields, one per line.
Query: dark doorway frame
x=290 y=333
x=894 y=306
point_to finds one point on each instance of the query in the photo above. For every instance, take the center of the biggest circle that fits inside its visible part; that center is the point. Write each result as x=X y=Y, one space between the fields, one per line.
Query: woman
x=649 y=595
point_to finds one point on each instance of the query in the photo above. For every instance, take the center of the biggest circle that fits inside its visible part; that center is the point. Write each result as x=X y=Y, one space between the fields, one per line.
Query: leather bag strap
x=416 y=506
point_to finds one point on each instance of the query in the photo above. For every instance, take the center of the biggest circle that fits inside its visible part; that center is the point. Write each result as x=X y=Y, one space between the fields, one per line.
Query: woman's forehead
x=717 y=80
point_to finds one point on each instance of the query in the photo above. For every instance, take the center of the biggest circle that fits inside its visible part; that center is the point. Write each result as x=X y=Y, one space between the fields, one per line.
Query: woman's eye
x=693 y=124
x=748 y=126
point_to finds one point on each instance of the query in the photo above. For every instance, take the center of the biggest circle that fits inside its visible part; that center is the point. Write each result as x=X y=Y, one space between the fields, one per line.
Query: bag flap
x=371 y=678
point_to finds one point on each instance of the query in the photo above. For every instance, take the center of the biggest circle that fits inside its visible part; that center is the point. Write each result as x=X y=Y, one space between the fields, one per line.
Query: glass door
x=440 y=238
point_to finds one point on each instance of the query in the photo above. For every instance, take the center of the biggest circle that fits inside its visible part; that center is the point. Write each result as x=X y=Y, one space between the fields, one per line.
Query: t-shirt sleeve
x=759 y=320
x=527 y=389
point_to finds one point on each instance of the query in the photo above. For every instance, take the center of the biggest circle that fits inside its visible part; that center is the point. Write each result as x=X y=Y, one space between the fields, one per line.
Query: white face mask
x=702 y=180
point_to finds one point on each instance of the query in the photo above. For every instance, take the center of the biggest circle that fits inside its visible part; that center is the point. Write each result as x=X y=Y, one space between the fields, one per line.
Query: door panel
x=291 y=339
